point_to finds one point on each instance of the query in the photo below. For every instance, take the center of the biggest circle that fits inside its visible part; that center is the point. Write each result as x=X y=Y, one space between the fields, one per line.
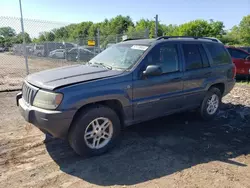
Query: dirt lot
x=13 y=70
x=176 y=151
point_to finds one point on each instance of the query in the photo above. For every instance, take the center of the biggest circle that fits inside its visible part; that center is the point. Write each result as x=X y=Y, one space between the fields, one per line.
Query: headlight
x=47 y=100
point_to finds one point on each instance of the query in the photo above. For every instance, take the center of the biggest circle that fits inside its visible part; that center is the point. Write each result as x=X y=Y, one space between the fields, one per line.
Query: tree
x=201 y=28
x=7 y=32
x=232 y=37
x=119 y=24
x=49 y=36
x=244 y=30
x=81 y=31
x=171 y=30
x=19 y=38
x=41 y=38
x=7 y=35
x=61 y=34
x=216 y=29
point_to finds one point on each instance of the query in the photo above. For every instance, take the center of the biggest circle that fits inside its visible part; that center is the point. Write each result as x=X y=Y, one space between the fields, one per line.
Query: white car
x=58 y=53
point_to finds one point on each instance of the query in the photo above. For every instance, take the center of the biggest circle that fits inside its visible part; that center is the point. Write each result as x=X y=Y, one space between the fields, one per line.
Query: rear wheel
x=211 y=103
x=95 y=131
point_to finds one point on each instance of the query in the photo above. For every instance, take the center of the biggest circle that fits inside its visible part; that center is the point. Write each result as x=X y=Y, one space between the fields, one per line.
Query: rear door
x=239 y=59
x=197 y=71
x=155 y=96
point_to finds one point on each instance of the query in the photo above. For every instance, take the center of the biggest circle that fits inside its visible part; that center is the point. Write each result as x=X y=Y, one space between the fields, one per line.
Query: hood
x=54 y=78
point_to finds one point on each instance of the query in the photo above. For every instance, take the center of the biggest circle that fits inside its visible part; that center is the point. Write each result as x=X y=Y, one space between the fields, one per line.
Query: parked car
x=1 y=49
x=4 y=49
x=241 y=59
x=130 y=82
x=58 y=54
x=43 y=49
x=247 y=49
x=39 y=50
x=79 y=54
x=93 y=49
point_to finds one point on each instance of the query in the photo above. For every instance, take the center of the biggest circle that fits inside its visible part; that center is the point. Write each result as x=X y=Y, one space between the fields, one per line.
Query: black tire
x=77 y=131
x=203 y=108
x=39 y=55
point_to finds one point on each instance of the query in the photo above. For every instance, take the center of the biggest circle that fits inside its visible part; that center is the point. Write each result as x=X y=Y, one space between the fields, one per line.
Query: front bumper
x=55 y=123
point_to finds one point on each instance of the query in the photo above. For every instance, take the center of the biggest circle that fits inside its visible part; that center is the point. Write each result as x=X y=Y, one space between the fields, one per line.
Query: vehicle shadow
x=161 y=147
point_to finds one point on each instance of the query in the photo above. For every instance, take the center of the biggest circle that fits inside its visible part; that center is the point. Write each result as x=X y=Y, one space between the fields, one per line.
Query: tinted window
x=192 y=56
x=166 y=56
x=247 y=49
x=237 y=53
x=205 y=61
x=218 y=54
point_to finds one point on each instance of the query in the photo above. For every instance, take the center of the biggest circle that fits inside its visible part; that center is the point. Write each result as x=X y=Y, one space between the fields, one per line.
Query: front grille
x=28 y=92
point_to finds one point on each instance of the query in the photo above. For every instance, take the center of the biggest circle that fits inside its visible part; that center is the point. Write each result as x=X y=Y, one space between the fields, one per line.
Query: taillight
x=234 y=70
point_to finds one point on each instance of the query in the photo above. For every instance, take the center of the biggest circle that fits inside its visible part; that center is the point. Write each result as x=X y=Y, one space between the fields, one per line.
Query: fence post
x=98 y=40
x=24 y=42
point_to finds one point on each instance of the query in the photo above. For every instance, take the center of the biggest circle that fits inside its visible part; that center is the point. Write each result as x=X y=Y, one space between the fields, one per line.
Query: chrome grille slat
x=28 y=92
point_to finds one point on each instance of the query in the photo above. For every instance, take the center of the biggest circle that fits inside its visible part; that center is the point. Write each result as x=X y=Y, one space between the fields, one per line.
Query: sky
x=57 y=13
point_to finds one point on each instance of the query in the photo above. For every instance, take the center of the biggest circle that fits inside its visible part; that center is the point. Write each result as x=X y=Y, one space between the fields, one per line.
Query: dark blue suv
x=129 y=82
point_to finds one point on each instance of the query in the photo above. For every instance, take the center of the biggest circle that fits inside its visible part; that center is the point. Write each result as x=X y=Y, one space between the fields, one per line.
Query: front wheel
x=95 y=131
x=211 y=103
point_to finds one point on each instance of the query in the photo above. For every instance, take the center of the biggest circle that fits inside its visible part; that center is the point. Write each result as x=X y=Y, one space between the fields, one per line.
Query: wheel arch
x=114 y=104
x=220 y=86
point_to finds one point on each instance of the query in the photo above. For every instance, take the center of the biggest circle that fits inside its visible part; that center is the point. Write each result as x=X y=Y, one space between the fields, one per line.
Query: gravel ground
x=175 y=151
x=13 y=69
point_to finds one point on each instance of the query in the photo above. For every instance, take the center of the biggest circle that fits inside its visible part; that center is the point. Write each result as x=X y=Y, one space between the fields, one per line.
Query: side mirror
x=248 y=58
x=152 y=70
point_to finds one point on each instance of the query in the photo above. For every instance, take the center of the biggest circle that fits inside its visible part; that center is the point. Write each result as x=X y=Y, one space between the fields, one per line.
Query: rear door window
x=193 y=59
x=218 y=53
x=205 y=61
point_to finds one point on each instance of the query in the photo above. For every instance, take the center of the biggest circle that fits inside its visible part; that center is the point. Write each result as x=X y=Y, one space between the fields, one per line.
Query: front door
x=154 y=96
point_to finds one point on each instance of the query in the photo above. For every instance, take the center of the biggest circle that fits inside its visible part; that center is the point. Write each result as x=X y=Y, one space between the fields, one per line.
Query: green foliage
x=201 y=28
x=171 y=30
x=8 y=37
x=244 y=30
x=111 y=31
x=7 y=32
x=19 y=38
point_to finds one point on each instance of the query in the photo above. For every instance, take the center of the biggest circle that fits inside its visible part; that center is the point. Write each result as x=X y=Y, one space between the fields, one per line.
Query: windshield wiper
x=102 y=64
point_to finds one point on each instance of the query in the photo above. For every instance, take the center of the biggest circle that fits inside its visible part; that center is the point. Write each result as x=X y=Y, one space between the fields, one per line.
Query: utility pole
x=24 y=42
x=156 y=26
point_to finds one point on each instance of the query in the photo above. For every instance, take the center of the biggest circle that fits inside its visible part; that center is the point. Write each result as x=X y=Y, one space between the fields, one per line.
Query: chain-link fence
x=49 y=45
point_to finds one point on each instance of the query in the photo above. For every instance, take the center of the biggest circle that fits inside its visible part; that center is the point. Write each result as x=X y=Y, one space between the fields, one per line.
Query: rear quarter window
x=219 y=54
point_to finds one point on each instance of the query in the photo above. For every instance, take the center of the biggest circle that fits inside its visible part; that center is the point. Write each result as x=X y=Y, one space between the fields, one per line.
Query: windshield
x=120 y=56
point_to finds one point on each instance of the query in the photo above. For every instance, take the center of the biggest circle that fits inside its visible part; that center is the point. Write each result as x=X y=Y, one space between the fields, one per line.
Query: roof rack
x=132 y=39
x=169 y=37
